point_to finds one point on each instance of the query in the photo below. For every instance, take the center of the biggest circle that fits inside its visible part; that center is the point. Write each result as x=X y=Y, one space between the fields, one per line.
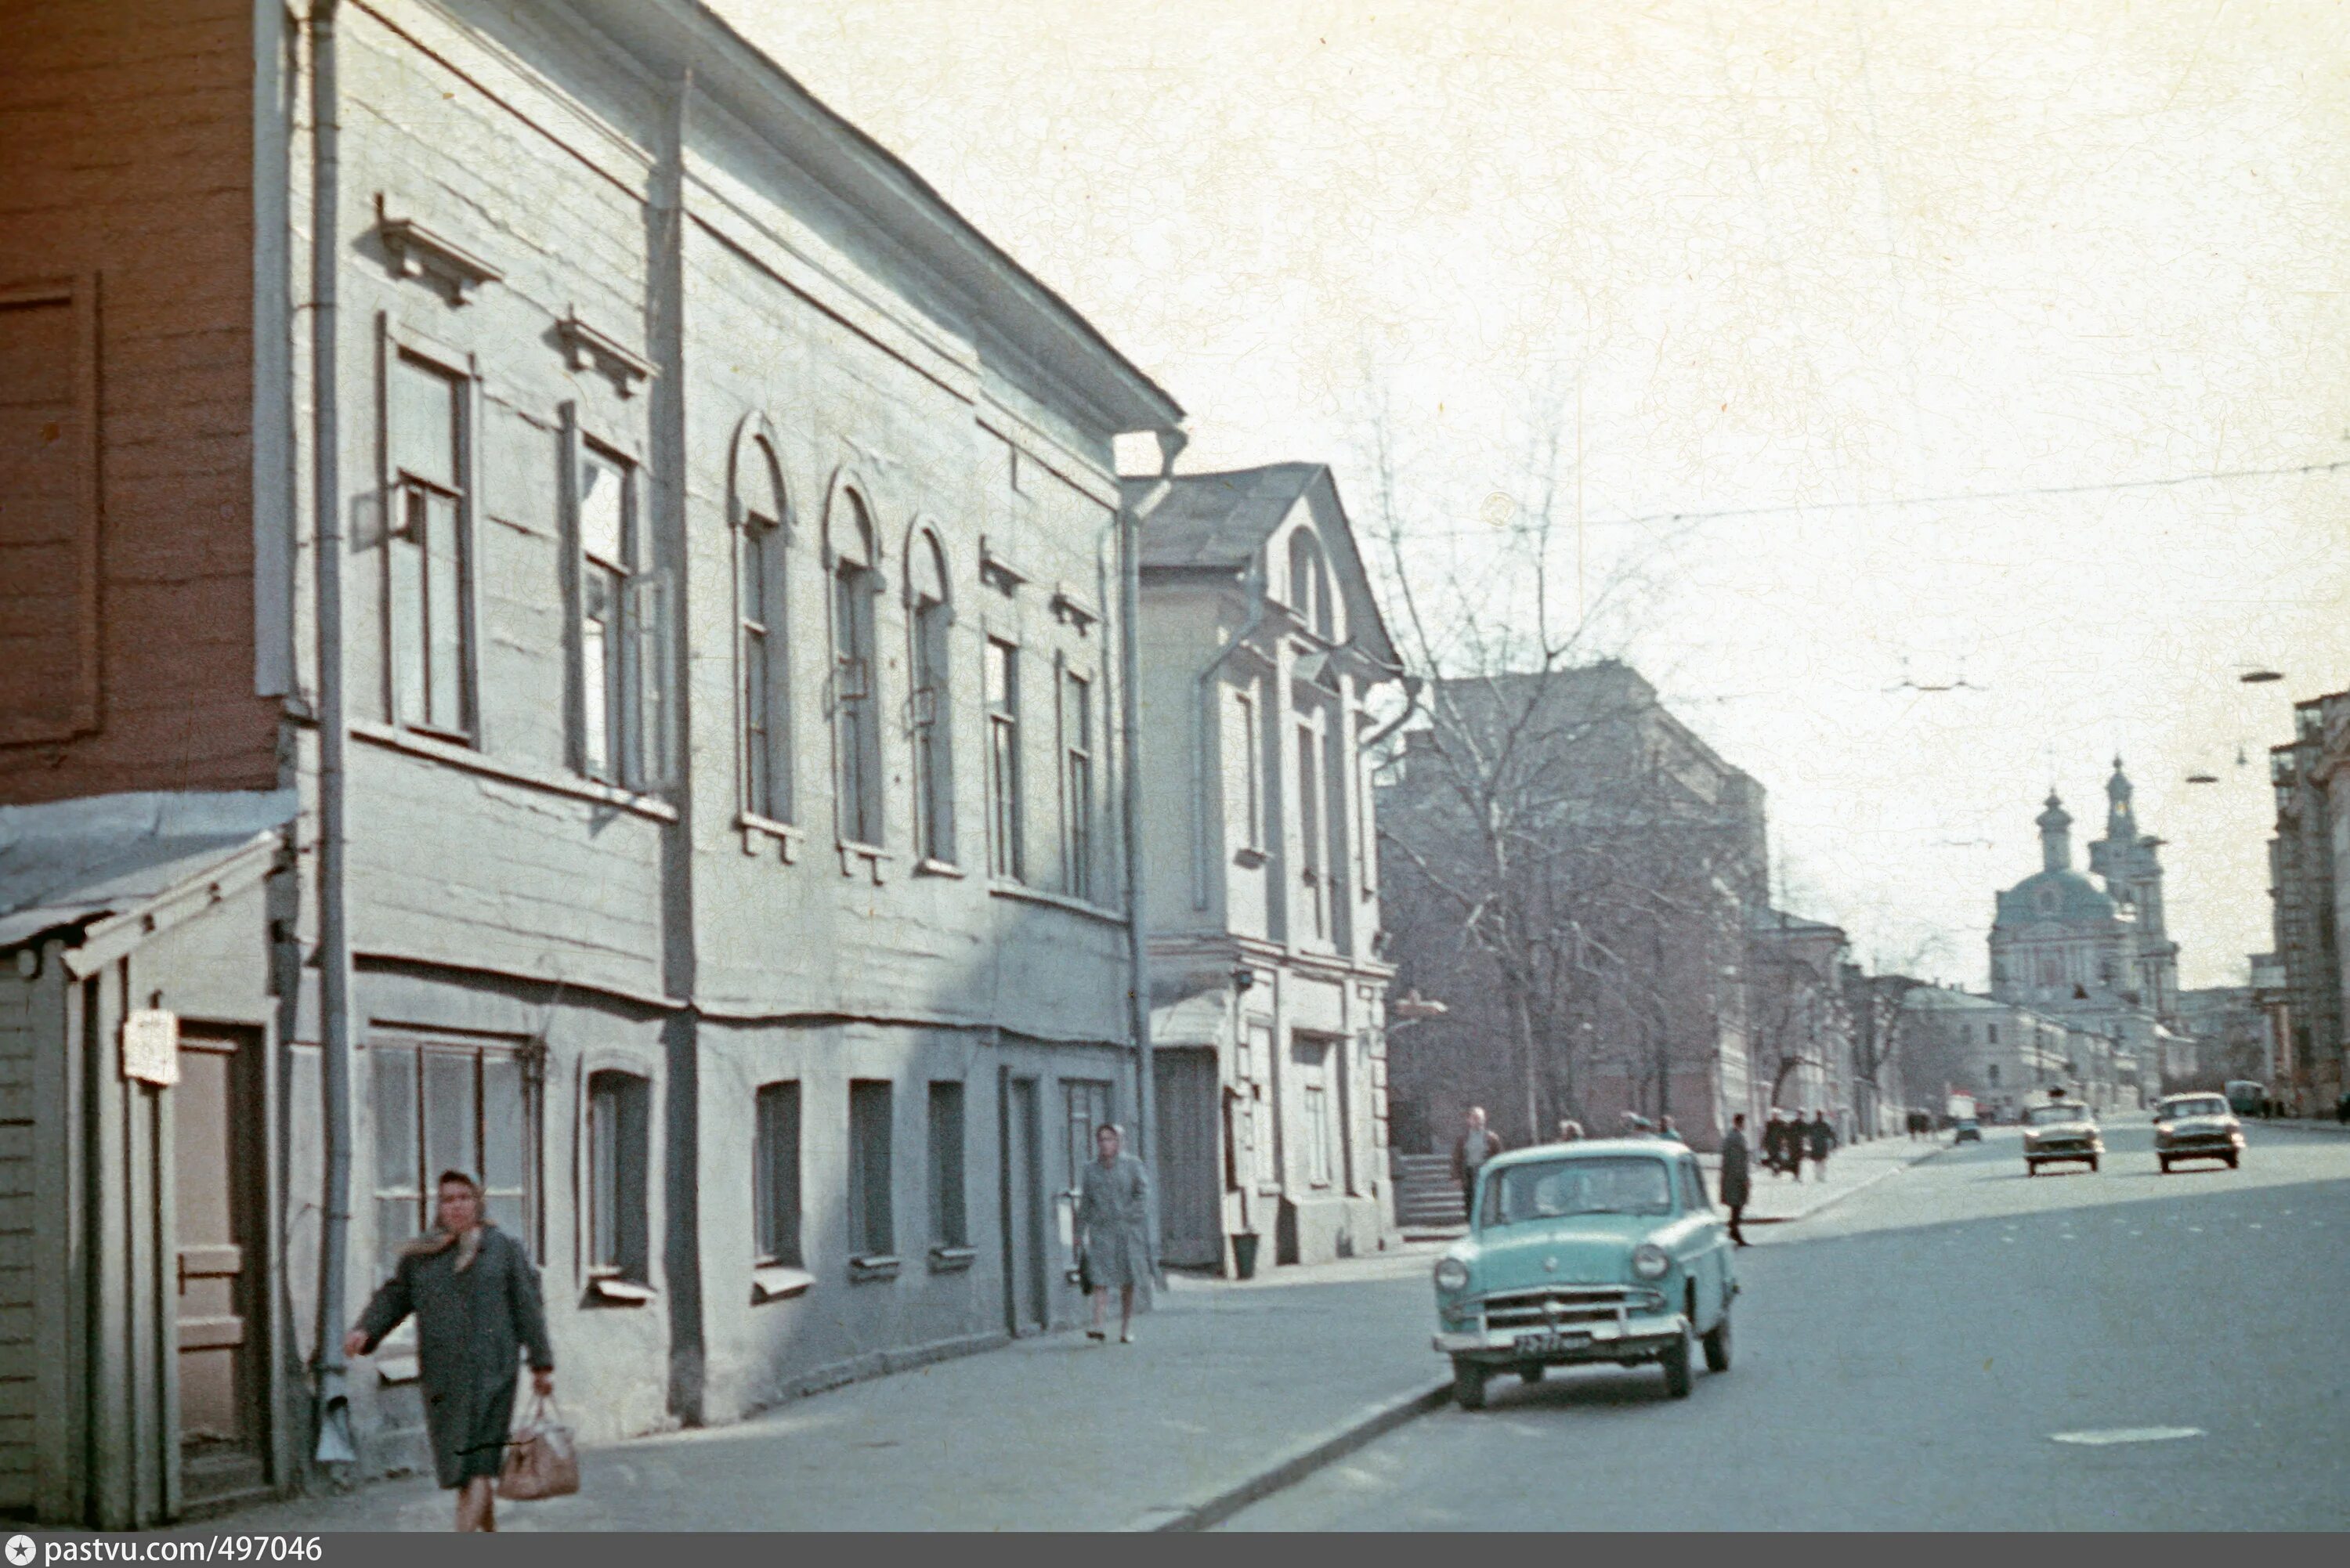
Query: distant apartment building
x=619 y=648
x=2309 y=893
x=1261 y=646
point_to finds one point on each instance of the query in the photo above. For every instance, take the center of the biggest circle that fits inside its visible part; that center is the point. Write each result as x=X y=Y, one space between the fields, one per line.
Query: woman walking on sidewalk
x=475 y=1297
x=1114 y=1228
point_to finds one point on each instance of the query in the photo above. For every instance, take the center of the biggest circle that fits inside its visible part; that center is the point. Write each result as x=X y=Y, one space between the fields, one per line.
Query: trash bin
x=1244 y=1255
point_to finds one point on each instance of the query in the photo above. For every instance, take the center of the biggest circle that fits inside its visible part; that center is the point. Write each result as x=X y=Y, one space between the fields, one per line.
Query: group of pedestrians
x=1789 y=1141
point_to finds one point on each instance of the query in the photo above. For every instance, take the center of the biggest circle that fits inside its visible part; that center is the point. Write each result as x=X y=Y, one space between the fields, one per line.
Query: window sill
x=761 y=833
x=952 y=1260
x=778 y=1283
x=872 y=1266
x=608 y=1290
x=1249 y=857
x=929 y=867
x=870 y=859
x=1027 y=895
x=417 y=744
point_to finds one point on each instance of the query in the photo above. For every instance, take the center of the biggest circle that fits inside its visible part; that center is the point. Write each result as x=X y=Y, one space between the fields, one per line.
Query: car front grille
x=1567 y=1305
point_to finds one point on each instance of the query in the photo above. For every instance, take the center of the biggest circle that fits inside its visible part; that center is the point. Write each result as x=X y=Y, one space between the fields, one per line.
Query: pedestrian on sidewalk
x=1736 y=1187
x=2342 y=1109
x=1823 y=1138
x=1774 y=1142
x=1114 y=1228
x=1475 y=1145
x=475 y=1297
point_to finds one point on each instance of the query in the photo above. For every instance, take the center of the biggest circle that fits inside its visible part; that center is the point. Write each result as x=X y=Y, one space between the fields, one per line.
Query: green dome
x=2063 y=896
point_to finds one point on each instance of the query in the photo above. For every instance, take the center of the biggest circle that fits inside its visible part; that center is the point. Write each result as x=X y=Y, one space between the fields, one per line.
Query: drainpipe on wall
x=1138 y=956
x=334 y=1436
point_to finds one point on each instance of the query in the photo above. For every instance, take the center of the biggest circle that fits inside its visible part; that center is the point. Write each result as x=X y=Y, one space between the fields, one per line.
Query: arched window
x=928 y=615
x=1309 y=586
x=856 y=738
x=759 y=523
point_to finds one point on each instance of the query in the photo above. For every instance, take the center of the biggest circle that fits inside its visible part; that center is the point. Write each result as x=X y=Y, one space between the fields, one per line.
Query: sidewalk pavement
x=1227 y=1384
x=1779 y=1199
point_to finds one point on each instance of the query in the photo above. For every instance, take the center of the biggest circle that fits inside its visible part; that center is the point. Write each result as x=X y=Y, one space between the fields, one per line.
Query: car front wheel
x=2231 y=1161
x=1676 y=1363
x=1717 y=1345
x=2093 y=1164
x=1468 y=1386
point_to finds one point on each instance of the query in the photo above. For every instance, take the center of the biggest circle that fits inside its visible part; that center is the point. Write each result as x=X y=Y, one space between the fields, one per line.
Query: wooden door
x=1190 y=1174
x=1026 y=1306
x=220 y=1267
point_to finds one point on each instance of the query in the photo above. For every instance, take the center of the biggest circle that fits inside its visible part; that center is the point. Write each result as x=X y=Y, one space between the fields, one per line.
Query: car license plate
x=1550 y=1344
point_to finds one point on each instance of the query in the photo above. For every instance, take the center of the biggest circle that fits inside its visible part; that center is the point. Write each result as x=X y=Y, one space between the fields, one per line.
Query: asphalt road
x=1907 y=1359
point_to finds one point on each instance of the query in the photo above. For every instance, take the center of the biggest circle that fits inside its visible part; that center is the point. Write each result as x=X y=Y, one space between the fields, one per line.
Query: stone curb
x=1364 y=1427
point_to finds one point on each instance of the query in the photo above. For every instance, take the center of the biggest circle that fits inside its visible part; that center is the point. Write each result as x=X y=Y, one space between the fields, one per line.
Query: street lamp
x=1414 y=1008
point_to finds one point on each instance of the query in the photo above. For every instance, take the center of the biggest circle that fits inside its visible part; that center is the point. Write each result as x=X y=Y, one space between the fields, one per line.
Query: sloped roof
x=75 y=863
x=1219 y=519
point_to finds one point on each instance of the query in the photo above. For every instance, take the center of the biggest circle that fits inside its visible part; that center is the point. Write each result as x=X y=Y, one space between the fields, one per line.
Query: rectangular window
x=1309 y=830
x=761 y=548
x=949 y=1224
x=871 y=1233
x=1252 y=773
x=1002 y=685
x=1086 y=1107
x=426 y=564
x=933 y=757
x=451 y=1108
x=1991 y=1032
x=619 y=1146
x=1077 y=783
x=855 y=733
x=775 y=1175
x=621 y=726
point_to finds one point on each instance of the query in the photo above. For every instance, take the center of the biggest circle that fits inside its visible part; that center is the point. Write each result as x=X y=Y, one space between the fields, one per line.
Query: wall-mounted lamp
x=1243 y=977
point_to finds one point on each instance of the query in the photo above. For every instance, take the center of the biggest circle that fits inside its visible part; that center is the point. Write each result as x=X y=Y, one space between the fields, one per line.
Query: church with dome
x=2101 y=956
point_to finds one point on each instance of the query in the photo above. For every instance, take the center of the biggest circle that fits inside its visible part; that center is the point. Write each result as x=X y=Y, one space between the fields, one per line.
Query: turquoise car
x=1583 y=1254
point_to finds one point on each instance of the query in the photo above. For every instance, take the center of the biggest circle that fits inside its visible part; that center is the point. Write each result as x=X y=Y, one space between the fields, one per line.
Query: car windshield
x=1626 y=1185
x=2042 y=1114
x=2200 y=1106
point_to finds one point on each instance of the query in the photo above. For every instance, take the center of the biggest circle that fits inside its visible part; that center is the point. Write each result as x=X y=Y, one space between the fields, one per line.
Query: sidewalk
x=1779 y=1199
x=1052 y=1433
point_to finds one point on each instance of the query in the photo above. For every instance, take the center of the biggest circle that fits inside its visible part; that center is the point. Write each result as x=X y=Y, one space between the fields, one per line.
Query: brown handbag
x=541 y=1459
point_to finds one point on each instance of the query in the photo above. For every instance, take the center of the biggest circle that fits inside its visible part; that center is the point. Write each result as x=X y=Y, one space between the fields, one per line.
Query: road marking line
x=2126 y=1435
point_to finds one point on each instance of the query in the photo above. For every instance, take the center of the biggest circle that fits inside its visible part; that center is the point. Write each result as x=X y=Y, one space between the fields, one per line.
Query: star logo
x=20 y=1550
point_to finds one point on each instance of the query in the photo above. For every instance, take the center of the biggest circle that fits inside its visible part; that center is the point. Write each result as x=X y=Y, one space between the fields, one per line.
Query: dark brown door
x=218 y=1149
x=1191 y=1185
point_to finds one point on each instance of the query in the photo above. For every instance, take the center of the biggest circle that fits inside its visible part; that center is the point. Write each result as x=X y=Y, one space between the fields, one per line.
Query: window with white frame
x=621 y=656
x=1309 y=586
x=1311 y=873
x=619 y=1147
x=1003 y=691
x=775 y=1175
x=445 y=1106
x=427 y=554
x=1311 y=1055
x=1077 y=783
x=873 y=1228
x=931 y=730
x=762 y=693
x=1251 y=772
x=856 y=734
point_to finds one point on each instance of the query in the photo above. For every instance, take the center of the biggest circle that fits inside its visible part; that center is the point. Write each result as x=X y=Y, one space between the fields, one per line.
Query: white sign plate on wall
x=150 y=1046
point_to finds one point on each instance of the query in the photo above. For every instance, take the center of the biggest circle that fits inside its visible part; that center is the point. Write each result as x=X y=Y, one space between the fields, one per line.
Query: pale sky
x=1863 y=272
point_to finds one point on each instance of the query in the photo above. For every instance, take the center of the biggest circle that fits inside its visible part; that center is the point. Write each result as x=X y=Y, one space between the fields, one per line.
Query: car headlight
x=1451 y=1274
x=1650 y=1261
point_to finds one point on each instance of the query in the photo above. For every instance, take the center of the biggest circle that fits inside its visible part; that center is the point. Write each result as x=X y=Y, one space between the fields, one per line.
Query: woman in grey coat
x=475 y=1297
x=1114 y=1228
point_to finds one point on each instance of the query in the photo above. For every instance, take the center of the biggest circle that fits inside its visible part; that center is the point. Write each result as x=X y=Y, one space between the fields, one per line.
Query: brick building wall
x=126 y=383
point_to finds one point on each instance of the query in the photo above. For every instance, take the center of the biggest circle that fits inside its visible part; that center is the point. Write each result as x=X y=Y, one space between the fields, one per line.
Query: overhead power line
x=2102 y=487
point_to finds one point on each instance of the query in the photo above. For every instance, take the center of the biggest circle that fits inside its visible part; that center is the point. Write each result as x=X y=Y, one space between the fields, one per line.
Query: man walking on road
x=1823 y=1138
x=1475 y=1145
x=1735 y=1183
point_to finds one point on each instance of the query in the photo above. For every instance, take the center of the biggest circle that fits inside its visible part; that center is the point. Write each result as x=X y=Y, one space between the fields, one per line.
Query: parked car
x=2246 y=1097
x=1966 y=1129
x=1586 y=1253
x=2196 y=1126
x=2061 y=1130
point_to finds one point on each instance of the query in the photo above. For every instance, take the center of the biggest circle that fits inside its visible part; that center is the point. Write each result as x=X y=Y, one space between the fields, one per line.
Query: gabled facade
x=1261 y=645
x=669 y=569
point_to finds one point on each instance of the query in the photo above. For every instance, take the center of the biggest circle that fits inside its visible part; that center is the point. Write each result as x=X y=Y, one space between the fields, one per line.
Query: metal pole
x=1129 y=609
